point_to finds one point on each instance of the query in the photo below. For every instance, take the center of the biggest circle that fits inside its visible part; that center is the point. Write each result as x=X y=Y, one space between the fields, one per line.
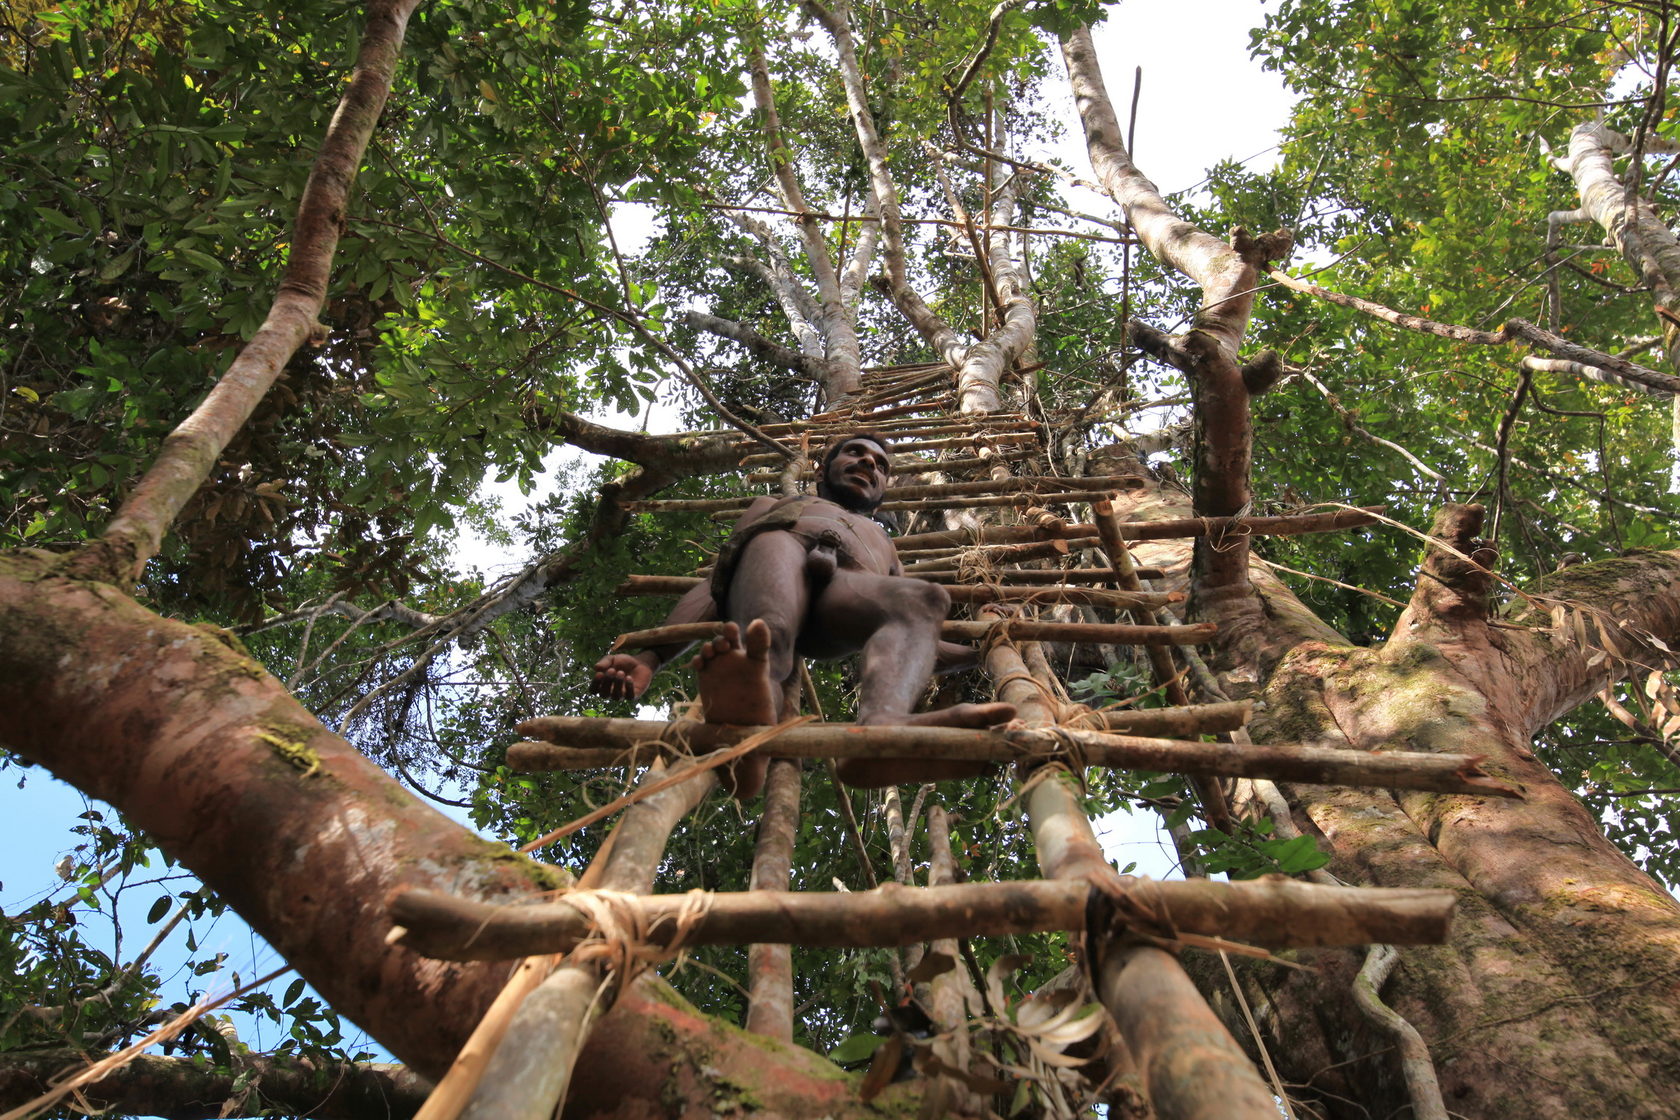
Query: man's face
x=857 y=476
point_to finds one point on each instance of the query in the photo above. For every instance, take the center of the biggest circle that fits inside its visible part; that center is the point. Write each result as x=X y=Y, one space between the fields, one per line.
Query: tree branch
x=1575 y=358
x=759 y=346
x=189 y=452
x=189 y=1088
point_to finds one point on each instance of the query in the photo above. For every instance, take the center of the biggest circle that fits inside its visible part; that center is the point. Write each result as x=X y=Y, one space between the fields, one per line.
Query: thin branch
x=1514 y=330
x=190 y=452
x=608 y=312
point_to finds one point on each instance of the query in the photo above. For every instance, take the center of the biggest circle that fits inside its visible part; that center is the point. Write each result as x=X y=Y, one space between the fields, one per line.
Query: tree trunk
x=308 y=840
x=1559 y=992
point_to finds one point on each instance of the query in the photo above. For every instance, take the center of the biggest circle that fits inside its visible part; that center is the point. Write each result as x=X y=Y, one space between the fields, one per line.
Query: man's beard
x=849 y=500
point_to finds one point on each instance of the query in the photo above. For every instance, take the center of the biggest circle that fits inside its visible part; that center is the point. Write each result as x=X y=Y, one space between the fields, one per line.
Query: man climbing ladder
x=817 y=577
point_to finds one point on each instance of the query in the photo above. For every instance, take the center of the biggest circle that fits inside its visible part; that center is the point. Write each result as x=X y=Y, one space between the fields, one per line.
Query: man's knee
x=922 y=599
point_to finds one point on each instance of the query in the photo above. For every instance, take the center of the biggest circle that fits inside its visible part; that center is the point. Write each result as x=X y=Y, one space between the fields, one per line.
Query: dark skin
x=780 y=608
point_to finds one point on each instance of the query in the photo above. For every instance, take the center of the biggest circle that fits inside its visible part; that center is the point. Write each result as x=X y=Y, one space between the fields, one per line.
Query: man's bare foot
x=734 y=672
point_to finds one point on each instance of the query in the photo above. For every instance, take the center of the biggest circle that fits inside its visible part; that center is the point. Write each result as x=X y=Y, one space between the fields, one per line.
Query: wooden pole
x=1008 y=576
x=1067 y=849
x=960 y=593
x=1274 y=913
x=1171 y=723
x=1192 y=1068
x=968 y=463
x=1168 y=529
x=727 y=515
x=918 y=446
x=946 y=560
x=1026 y=629
x=1208 y=791
x=529 y=1073
x=577 y=742
x=948 y=1003
x=770 y=965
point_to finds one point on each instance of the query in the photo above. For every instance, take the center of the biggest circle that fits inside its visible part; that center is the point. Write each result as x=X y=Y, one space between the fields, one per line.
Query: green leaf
x=856 y=1048
x=159 y=908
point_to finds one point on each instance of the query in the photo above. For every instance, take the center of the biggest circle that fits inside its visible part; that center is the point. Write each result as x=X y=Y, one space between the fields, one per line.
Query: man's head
x=855 y=470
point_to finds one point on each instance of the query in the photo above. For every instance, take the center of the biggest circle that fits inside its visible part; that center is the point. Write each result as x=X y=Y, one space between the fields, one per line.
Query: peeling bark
x=1631 y=223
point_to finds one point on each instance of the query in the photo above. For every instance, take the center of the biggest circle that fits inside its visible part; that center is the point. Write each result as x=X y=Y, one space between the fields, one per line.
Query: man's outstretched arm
x=625 y=676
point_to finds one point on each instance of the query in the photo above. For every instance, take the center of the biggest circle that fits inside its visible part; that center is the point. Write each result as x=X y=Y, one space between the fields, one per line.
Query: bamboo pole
x=1027 y=629
x=592 y=743
x=1273 y=913
x=960 y=593
x=770 y=965
x=1292 y=525
x=528 y=1075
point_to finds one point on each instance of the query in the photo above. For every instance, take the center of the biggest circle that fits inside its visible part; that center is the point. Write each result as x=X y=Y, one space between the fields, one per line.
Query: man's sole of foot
x=734 y=677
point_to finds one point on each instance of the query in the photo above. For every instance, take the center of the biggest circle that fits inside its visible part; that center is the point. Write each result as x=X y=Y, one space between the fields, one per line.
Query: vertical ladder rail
x=770 y=966
x=1191 y=1068
x=528 y=1076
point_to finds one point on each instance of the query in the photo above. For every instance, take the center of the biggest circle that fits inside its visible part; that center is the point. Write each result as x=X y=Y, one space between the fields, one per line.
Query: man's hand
x=619 y=676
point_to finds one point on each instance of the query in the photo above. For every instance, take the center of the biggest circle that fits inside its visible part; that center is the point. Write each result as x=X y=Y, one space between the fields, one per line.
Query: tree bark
x=1563 y=972
x=190 y=1088
x=306 y=839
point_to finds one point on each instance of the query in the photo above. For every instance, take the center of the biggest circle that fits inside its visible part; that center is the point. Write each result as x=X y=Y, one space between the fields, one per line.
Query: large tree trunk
x=308 y=841
x=1559 y=992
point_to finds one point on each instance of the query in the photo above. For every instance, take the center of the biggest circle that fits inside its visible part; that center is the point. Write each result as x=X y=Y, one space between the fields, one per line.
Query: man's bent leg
x=898 y=622
x=741 y=672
